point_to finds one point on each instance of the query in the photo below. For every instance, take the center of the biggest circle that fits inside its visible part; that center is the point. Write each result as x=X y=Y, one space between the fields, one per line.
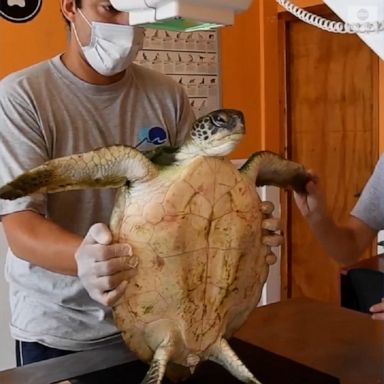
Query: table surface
x=340 y=342
x=344 y=343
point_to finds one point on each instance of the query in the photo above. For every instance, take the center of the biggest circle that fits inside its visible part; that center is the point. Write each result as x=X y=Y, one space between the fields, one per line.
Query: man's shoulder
x=28 y=75
x=381 y=159
x=380 y=164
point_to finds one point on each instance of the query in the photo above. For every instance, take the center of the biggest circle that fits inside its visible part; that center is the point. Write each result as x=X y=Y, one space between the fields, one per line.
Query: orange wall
x=306 y=3
x=381 y=110
x=23 y=44
x=240 y=66
x=249 y=53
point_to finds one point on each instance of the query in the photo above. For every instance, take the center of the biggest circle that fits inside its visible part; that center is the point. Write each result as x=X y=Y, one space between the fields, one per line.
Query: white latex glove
x=270 y=227
x=377 y=310
x=104 y=268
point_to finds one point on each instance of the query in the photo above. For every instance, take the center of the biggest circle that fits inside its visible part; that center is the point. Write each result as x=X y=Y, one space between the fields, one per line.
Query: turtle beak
x=237 y=114
x=238 y=123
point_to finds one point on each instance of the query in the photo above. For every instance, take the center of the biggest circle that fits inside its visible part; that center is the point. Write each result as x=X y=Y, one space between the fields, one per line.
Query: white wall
x=272 y=288
x=7 y=348
x=380 y=237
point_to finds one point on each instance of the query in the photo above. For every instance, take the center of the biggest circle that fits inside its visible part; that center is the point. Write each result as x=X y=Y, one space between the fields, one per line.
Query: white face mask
x=112 y=47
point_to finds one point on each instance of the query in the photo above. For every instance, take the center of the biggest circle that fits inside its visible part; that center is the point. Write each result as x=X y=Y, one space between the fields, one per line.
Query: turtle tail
x=269 y=168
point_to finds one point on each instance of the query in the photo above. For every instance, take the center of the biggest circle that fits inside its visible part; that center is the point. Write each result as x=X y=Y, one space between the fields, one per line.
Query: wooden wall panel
x=332 y=128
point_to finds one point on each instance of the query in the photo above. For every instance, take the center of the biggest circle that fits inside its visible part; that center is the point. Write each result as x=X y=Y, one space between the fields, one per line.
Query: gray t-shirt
x=47 y=112
x=370 y=206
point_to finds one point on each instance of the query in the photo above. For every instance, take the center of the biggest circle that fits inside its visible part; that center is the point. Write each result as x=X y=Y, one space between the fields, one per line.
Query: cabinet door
x=331 y=117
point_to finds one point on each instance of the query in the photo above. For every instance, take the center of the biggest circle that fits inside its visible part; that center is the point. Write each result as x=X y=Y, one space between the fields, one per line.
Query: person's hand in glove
x=270 y=227
x=104 y=268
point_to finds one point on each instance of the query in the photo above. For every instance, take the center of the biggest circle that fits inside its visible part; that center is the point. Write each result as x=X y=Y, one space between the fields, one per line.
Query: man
x=90 y=96
x=345 y=243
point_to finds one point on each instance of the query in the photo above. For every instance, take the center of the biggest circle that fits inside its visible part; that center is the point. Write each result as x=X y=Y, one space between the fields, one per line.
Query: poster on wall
x=19 y=11
x=191 y=59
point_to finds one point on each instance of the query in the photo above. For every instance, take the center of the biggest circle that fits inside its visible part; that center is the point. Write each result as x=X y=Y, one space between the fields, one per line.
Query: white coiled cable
x=329 y=25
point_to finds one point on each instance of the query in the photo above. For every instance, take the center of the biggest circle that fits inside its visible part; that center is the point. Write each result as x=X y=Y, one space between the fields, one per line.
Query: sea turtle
x=195 y=223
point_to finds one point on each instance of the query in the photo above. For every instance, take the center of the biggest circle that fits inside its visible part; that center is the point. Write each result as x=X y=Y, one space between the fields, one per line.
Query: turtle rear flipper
x=158 y=365
x=222 y=353
x=109 y=167
x=268 y=168
x=162 y=336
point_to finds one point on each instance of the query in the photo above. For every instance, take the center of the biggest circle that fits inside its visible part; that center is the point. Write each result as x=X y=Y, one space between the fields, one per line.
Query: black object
x=268 y=367
x=19 y=11
x=361 y=288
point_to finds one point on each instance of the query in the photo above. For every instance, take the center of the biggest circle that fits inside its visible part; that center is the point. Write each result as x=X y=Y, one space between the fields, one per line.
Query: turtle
x=195 y=222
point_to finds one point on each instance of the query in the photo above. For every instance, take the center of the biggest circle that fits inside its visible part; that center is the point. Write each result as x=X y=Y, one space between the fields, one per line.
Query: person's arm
x=41 y=242
x=102 y=267
x=344 y=243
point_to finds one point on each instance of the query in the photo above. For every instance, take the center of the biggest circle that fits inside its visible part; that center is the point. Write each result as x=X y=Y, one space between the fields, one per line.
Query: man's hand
x=103 y=267
x=270 y=226
x=311 y=204
x=378 y=310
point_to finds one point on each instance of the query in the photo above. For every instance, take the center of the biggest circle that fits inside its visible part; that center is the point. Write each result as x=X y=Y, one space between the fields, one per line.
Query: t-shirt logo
x=19 y=11
x=149 y=137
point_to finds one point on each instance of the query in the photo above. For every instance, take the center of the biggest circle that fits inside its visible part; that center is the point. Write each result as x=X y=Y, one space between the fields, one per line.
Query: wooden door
x=331 y=123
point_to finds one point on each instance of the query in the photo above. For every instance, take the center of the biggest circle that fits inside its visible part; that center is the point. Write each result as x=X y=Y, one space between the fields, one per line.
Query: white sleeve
x=370 y=206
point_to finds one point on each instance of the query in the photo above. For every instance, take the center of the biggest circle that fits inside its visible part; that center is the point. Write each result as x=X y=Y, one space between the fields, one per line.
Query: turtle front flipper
x=109 y=167
x=222 y=353
x=268 y=168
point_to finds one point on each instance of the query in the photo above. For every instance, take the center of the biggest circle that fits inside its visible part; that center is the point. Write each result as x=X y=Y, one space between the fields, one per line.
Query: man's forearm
x=41 y=242
x=337 y=241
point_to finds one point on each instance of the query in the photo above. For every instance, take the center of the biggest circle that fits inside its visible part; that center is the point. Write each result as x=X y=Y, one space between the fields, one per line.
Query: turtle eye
x=219 y=119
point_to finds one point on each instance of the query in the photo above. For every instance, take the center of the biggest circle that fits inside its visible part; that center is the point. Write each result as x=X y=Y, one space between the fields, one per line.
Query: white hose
x=329 y=25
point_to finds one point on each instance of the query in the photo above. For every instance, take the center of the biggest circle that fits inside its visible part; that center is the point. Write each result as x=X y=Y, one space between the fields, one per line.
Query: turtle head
x=217 y=133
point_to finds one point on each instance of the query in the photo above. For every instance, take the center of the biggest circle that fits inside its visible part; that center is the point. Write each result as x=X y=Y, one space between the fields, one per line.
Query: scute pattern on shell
x=196 y=231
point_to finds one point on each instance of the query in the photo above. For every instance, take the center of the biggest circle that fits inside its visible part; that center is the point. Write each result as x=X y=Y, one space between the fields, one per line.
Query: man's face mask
x=112 y=47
